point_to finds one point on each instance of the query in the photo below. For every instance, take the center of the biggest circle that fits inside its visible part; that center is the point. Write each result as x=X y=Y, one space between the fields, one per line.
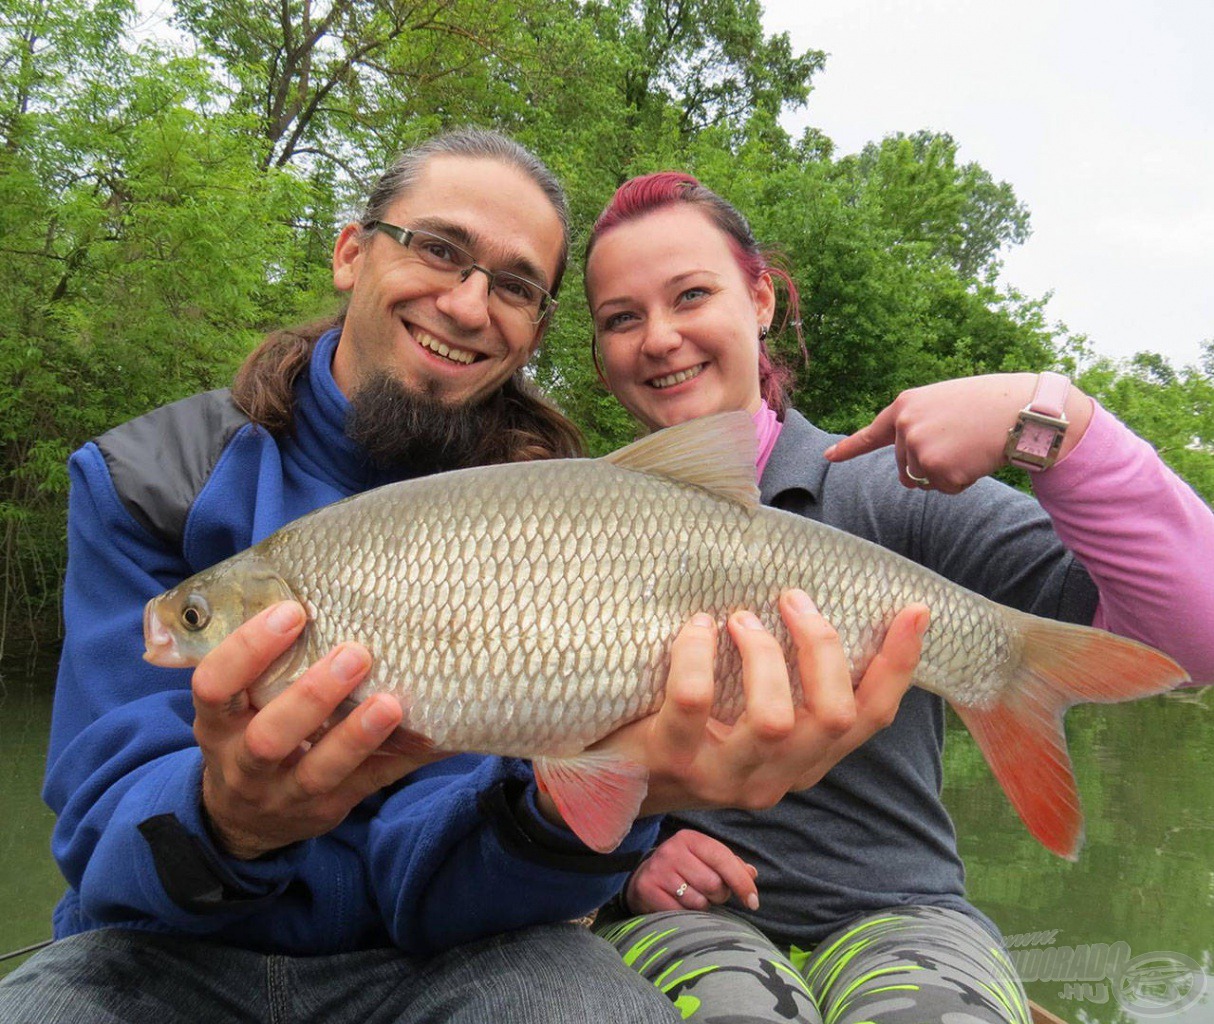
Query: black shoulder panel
x=160 y=461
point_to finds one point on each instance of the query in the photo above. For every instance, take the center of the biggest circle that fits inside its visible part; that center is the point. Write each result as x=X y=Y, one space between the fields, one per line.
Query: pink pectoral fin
x=598 y=795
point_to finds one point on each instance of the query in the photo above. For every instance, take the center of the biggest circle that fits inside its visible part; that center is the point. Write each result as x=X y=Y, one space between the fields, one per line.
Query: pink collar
x=768 y=429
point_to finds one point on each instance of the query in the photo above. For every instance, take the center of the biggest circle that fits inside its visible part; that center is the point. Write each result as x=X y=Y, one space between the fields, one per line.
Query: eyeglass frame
x=404 y=236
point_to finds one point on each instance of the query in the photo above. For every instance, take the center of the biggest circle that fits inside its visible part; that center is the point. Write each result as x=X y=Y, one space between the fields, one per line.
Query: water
x=1141 y=896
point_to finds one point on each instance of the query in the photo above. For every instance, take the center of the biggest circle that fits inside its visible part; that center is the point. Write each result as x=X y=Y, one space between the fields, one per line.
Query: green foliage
x=160 y=209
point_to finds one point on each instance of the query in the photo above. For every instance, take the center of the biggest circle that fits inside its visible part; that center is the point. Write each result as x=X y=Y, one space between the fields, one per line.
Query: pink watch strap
x=1050 y=396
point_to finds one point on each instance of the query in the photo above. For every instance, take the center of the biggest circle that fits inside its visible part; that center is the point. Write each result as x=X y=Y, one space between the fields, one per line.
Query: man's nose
x=467 y=301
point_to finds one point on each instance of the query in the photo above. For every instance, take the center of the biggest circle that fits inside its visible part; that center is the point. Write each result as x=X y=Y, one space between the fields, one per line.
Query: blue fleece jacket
x=416 y=865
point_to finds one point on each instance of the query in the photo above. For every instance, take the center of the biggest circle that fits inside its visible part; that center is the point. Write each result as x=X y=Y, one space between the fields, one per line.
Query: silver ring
x=922 y=481
x=678 y=893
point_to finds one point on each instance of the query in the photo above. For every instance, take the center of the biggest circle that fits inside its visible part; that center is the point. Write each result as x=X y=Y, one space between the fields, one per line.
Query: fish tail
x=1021 y=734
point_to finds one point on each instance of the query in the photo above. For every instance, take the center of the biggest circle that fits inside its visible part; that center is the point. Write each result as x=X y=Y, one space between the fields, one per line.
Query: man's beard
x=413 y=433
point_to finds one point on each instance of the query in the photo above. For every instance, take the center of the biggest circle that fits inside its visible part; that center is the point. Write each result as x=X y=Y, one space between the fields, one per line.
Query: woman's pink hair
x=648 y=192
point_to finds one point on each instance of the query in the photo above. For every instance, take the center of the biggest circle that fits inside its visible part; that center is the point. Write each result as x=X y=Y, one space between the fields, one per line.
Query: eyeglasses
x=455 y=264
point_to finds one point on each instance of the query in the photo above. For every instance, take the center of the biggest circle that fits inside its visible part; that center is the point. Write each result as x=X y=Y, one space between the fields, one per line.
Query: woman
x=863 y=867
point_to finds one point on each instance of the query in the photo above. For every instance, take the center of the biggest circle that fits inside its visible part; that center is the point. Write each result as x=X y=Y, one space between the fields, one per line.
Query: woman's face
x=677 y=322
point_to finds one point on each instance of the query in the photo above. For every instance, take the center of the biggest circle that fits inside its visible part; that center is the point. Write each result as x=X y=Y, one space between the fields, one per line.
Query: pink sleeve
x=1145 y=537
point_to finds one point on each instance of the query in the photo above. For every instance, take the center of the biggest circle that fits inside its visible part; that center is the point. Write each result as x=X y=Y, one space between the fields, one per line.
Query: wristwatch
x=1034 y=440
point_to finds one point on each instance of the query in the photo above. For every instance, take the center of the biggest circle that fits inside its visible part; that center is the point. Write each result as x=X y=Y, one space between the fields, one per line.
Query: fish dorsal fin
x=717 y=453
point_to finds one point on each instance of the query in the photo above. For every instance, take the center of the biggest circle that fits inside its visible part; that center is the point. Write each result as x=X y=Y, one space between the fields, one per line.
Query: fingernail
x=347 y=663
x=801 y=602
x=748 y=620
x=379 y=717
x=701 y=620
x=921 y=623
x=830 y=451
x=752 y=901
x=284 y=617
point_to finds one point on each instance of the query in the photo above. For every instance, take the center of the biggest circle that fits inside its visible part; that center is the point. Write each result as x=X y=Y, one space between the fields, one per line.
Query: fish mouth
x=160 y=643
x=669 y=380
x=444 y=349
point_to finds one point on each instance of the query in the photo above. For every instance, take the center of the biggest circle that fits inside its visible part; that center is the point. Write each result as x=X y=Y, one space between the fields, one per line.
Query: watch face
x=1034 y=441
x=1037 y=439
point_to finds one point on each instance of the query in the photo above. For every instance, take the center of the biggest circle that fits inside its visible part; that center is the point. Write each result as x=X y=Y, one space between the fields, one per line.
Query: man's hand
x=264 y=785
x=695 y=760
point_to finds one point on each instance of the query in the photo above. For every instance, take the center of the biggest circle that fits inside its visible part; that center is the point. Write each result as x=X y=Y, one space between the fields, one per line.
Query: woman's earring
x=763 y=333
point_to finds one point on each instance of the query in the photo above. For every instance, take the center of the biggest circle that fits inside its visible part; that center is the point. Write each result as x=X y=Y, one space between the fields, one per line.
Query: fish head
x=183 y=624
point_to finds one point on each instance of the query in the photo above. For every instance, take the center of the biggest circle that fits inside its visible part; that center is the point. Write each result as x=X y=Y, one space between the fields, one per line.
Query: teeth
x=671 y=379
x=431 y=343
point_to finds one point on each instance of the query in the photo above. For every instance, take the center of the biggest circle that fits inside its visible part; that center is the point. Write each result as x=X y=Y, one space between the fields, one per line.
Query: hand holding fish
x=690 y=871
x=263 y=787
x=695 y=760
x=953 y=433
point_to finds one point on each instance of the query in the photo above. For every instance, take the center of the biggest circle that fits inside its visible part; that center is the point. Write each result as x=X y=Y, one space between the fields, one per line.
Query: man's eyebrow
x=514 y=263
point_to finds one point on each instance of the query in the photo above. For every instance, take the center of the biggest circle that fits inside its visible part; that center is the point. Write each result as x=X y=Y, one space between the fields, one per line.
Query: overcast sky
x=1100 y=113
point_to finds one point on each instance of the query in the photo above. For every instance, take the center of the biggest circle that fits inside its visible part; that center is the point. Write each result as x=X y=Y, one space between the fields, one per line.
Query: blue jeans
x=550 y=974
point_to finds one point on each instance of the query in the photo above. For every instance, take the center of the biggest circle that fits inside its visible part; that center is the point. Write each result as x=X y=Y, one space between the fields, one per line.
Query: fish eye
x=195 y=615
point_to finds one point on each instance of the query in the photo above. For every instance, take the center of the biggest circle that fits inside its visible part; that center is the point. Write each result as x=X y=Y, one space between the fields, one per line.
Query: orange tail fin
x=1021 y=734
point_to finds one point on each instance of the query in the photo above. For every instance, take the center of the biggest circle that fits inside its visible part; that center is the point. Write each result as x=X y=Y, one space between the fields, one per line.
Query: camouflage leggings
x=908 y=965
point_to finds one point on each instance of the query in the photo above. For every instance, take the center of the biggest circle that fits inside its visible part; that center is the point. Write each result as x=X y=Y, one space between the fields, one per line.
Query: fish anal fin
x=598 y=794
x=717 y=453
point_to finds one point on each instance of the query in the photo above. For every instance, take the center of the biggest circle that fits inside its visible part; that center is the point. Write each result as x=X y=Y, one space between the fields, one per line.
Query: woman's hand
x=264 y=784
x=775 y=746
x=953 y=433
x=690 y=871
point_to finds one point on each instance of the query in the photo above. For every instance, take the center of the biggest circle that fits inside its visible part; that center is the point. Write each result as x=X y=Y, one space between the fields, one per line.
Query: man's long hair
x=527 y=426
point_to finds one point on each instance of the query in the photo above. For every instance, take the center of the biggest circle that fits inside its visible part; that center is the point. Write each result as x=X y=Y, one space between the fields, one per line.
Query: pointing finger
x=879 y=433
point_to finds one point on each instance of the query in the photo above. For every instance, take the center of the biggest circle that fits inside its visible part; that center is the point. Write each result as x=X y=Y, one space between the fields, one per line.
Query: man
x=219 y=866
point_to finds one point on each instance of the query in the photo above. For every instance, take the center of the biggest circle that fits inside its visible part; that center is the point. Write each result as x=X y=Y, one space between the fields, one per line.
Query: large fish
x=528 y=610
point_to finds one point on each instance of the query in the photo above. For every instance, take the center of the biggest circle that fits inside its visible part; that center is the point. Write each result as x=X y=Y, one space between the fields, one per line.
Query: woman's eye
x=691 y=294
x=616 y=321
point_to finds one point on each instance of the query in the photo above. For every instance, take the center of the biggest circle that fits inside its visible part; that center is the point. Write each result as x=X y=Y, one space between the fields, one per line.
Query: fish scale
x=529 y=610
x=454 y=597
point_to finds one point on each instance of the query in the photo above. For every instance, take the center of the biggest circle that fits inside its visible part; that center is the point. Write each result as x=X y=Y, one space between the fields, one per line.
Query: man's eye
x=439 y=252
x=515 y=289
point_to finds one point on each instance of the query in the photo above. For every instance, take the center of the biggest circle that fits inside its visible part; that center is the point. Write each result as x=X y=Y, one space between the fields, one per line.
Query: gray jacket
x=873 y=833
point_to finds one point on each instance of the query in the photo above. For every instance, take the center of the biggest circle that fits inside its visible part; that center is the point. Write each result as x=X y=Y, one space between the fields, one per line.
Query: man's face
x=400 y=317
